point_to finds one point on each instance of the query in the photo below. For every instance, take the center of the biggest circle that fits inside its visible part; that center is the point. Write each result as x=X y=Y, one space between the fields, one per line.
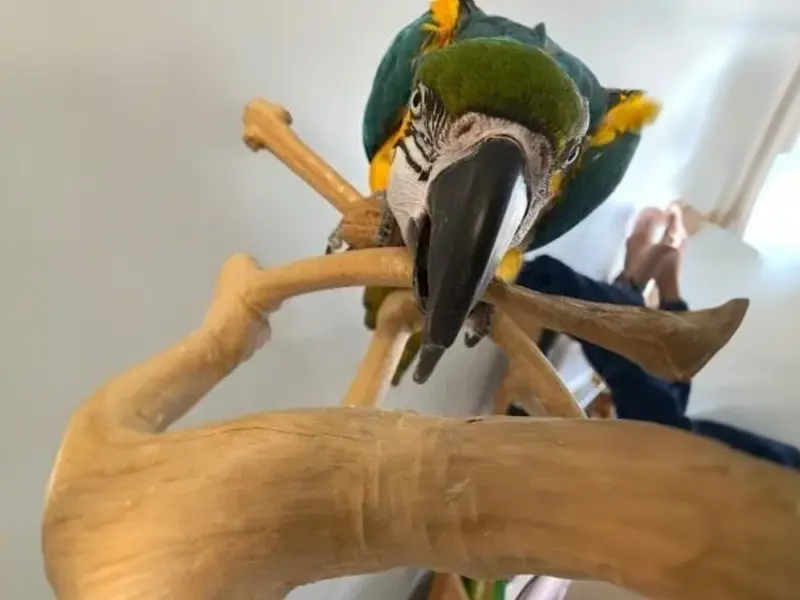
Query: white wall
x=124 y=185
x=752 y=382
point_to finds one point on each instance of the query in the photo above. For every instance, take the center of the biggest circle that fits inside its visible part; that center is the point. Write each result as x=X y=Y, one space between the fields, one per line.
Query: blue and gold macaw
x=485 y=140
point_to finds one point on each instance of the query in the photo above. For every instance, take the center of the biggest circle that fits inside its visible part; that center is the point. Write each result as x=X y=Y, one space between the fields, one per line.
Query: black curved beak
x=472 y=219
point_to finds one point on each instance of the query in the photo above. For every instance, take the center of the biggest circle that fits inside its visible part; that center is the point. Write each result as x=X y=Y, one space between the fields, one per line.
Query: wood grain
x=669 y=344
x=673 y=345
x=252 y=507
x=267 y=126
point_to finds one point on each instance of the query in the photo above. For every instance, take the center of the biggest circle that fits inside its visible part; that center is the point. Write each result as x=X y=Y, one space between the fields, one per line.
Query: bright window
x=774 y=224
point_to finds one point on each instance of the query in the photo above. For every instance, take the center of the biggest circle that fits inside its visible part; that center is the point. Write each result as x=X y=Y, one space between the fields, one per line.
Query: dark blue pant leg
x=638 y=395
x=749 y=442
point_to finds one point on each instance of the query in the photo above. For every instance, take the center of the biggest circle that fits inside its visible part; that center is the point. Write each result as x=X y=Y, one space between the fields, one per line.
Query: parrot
x=486 y=140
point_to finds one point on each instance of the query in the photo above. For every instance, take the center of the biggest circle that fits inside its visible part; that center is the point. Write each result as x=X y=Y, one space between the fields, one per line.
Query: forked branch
x=268 y=127
x=530 y=371
x=398 y=318
x=251 y=508
x=673 y=345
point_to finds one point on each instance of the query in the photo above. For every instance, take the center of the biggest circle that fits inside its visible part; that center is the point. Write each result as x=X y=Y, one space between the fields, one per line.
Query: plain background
x=124 y=186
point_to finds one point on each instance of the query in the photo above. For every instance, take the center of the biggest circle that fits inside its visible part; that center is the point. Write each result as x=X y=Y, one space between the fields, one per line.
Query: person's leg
x=642 y=254
x=667 y=275
x=546 y=274
x=637 y=394
x=667 y=280
x=749 y=442
x=551 y=276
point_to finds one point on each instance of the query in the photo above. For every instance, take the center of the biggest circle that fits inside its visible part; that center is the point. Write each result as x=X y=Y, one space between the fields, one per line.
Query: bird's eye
x=572 y=154
x=415 y=104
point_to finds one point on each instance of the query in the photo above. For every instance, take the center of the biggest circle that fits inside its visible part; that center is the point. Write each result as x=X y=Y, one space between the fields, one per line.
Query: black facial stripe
x=423 y=144
x=439 y=118
x=409 y=159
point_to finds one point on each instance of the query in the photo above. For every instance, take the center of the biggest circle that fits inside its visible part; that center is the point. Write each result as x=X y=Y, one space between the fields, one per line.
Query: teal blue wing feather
x=600 y=169
x=598 y=173
x=581 y=74
x=481 y=24
x=392 y=84
x=395 y=74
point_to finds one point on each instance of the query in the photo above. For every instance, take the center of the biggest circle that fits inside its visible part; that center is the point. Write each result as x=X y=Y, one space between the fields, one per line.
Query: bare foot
x=642 y=252
x=675 y=234
x=667 y=275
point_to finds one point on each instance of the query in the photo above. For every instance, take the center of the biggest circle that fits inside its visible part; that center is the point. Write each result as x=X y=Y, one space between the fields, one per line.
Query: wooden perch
x=668 y=344
x=268 y=127
x=688 y=339
x=398 y=318
x=532 y=375
x=253 y=507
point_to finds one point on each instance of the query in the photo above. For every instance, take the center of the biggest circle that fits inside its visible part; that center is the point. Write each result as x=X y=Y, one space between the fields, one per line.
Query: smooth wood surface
x=252 y=507
x=672 y=345
x=531 y=379
x=268 y=127
x=398 y=317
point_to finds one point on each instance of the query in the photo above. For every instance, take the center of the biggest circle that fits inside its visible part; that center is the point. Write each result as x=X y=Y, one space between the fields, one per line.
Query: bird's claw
x=479 y=324
x=335 y=242
x=388 y=224
x=383 y=236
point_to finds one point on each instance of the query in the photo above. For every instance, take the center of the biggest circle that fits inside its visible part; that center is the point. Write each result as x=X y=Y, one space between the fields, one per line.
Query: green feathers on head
x=504 y=78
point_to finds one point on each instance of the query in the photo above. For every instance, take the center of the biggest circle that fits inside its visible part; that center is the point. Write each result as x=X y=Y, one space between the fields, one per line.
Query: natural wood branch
x=360 y=225
x=514 y=388
x=398 y=318
x=669 y=344
x=252 y=507
x=673 y=345
x=531 y=372
x=267 y=126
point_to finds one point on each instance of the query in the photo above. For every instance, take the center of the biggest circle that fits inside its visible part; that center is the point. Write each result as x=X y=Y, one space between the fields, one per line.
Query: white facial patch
x=465 y=135
x=407 y=191
x=406 y=196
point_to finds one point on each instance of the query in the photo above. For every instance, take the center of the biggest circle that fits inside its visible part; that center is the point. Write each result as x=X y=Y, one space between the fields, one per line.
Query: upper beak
x=473 y=216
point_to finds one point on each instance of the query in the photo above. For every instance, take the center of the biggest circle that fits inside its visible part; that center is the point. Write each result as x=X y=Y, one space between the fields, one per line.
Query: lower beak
x=473 y=216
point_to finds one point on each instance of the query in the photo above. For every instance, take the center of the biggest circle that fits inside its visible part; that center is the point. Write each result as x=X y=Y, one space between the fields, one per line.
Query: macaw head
x=489 y=122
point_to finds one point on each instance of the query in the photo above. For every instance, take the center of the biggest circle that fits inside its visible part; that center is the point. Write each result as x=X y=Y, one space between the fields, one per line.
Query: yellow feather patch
x=631 y=114
x=556 y=183
x=380 y=167
x=444 y=17
x=444 y=14
x=510 y=266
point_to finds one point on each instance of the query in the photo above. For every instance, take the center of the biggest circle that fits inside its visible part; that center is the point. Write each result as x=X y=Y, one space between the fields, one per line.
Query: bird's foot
x=335 y=241
x=387 y=226
x=369 y=224
x=479 y=324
